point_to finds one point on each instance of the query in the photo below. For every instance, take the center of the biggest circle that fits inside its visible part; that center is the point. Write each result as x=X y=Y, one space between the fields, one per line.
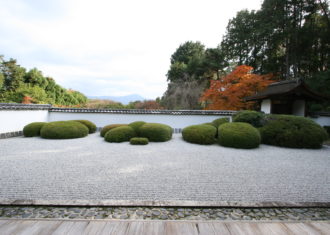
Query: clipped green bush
x=238 y=135
x=107 y=128
x=249 y=116
x=63 y=130
x=120 y=134
x=139 y=141
x=208 y=123
x=136 y=126
x=156 y=132
x=199 y=134
x=292 y=132
x=217 y=122
x=91 y=126
x=33 y=129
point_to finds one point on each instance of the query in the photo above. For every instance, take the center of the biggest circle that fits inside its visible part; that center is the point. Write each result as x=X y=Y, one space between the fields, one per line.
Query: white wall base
x=266 y=106
x=15 y=120
x=102 y=119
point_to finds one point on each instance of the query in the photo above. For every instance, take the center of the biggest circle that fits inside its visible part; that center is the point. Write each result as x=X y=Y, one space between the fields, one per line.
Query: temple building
x=286 y=97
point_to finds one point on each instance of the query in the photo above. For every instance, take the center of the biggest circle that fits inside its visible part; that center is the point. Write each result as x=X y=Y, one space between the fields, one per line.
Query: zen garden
x=239 y=142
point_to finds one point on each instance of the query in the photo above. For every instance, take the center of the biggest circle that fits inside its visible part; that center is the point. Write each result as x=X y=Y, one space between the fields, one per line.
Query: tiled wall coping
x=146 y=111
x=15 y=106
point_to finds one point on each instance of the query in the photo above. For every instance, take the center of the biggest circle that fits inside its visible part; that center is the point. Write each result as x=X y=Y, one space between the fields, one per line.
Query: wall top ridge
x=16 y=106
x=145 y=111
x=50 y=108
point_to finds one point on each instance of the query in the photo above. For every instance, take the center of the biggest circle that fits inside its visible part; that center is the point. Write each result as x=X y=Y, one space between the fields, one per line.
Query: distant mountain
x=122 y=99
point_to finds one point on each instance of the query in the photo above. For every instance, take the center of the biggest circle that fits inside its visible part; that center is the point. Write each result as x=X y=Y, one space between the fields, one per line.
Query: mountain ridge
x=122 y=99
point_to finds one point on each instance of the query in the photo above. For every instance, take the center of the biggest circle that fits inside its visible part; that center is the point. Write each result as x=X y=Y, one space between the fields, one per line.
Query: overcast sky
x=110 y=47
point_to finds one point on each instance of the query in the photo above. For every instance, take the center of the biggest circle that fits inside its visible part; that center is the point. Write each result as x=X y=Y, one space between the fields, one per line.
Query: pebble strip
x=167 y=213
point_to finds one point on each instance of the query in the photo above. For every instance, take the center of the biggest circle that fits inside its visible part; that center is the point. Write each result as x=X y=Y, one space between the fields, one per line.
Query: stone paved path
x=165 y=213
x=91 y=169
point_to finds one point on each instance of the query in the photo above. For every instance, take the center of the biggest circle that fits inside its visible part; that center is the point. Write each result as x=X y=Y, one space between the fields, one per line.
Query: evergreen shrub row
x=250 y=128
x=145 y=132
x=59 y=129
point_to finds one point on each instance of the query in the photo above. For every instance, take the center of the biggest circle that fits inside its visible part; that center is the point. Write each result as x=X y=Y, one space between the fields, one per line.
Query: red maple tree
x=27 y=100
x=228 y=92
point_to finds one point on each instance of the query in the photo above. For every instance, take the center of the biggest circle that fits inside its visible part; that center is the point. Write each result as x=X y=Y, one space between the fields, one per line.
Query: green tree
x=2 y=80
x=37 y=94
x=186 y=62
x=287 y=37
x=13 y=73
x=214 y=62
x=35 y=77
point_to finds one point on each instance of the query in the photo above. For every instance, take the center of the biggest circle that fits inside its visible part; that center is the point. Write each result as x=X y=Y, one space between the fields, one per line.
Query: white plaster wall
x=322 y=120
x=12 y=120
x=265 y=106
x=298 y=108
x=102 y=119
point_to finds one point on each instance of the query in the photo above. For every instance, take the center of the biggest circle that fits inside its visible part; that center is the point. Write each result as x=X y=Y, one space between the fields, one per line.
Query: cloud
x=105 y=47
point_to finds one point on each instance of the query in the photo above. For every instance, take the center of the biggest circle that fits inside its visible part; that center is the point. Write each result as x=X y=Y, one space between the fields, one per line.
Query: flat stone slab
x=90 y=171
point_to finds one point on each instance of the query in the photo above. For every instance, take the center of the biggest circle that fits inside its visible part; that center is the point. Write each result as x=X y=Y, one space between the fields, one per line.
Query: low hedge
x=33 y=129
x=139 y=141
x=292 y=132
x=91 y=126
x=120 y=134
x=199 y=134
x=63 y=130
x=217 y=122
x=252 y=117
x=156 y=132
x=136 y=126
x=107 y=128
x=238 y=135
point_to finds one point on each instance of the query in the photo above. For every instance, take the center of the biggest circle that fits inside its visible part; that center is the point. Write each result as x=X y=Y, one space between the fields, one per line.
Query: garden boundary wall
x=13 y=117
x=177 y=119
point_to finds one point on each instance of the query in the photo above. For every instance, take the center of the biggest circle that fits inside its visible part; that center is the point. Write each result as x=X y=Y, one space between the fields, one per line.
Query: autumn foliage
x=27 y=100
x=228 y=92
x=148 y=104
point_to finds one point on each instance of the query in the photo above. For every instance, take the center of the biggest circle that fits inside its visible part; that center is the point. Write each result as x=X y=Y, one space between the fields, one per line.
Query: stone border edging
x=11 y=134
x=156 y=203
x=170 y=220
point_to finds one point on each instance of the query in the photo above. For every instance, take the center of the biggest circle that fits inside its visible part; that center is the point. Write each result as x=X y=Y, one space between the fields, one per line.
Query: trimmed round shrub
x=63 y=130
x=33 y=129
x=199 y=134
x=91 y=126
x=208 y=123
x=156 y=132
x=107 y=128
x=252 y=117
x=238 y=135
x=136 y=126
x=139 y=141
x=120 y=134
x=217 y=122
x=292 y=132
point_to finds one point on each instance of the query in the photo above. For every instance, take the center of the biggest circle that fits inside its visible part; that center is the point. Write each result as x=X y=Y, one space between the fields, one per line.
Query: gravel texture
x=165 y=213
x=92 y=169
